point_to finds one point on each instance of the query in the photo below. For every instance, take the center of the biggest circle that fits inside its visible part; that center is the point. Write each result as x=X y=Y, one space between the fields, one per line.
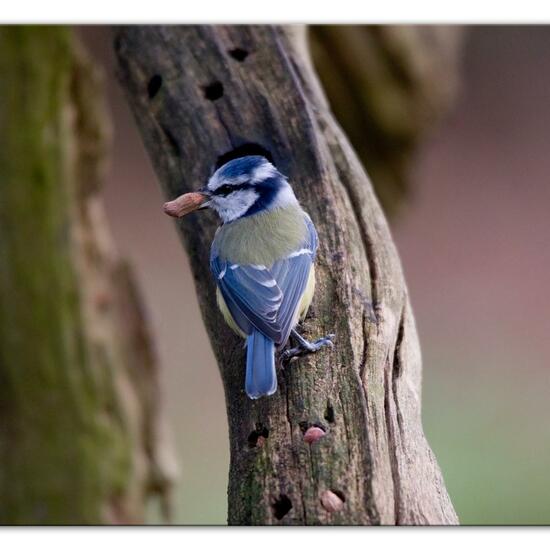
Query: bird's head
x=242 y=187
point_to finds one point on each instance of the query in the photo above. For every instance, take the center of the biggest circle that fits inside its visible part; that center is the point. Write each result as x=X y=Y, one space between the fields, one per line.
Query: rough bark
x=79 y=422
x=201 y=94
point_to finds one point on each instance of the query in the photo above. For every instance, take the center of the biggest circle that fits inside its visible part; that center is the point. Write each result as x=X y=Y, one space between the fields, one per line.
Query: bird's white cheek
x=235 y=205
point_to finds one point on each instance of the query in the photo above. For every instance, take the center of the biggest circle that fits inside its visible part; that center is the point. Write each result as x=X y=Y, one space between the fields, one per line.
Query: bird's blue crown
x=242 y=166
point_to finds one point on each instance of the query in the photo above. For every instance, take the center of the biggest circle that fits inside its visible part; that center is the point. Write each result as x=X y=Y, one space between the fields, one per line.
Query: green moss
x=62 y=457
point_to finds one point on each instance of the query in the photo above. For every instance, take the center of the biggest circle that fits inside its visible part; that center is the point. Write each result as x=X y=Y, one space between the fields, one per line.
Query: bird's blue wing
x=251 y=294
x=266 y=298
x=292 y=274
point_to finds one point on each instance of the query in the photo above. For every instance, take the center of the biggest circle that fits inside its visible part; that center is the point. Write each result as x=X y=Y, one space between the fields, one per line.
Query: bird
x=262 y=260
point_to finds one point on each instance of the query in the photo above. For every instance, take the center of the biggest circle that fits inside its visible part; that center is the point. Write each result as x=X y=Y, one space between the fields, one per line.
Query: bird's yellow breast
x=227 y=314
x=307 y=296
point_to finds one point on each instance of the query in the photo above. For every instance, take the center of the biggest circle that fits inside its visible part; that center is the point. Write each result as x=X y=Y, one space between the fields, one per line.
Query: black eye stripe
x=225 y=190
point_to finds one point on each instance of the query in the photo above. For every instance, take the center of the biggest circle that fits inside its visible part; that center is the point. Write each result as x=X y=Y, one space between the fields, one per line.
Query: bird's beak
x=185 y=204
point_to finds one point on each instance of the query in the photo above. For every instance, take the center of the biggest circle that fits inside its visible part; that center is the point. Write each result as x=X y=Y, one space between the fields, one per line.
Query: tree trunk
x=203 y=94
x=79 y=422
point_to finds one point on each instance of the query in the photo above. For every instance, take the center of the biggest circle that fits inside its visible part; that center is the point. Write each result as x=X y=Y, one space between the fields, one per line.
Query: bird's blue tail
x=261 y=378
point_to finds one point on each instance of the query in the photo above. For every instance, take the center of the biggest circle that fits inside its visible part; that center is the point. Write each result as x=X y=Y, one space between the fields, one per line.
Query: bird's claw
x=305 y=348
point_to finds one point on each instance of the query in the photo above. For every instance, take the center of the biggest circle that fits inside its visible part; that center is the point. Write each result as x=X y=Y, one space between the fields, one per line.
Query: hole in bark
x=154 y=86
x=254 y=438
x=213 y=91
x=238 y=53
x=282 y=506
x=117 y=43
x=329 y=414
x=171 y=140
x=339 y=494
x=244 y=151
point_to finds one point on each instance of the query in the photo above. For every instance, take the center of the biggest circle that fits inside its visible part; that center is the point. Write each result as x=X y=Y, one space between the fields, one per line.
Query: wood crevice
x=389 y=399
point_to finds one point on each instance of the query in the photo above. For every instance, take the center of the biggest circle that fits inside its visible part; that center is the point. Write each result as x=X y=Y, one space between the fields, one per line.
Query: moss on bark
x=72 y=448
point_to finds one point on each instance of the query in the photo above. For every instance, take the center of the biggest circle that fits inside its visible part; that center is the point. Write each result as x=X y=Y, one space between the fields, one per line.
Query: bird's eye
x=224 y=190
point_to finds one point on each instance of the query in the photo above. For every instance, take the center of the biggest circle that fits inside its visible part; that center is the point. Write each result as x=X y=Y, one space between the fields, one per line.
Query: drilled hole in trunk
x=238 y=53
x=260 y=434
x=154 y=86
x=282 y=506
x=329 y=414
x=213 y=91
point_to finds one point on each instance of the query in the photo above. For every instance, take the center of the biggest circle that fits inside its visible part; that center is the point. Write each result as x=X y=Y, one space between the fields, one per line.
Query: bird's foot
x=304 y=347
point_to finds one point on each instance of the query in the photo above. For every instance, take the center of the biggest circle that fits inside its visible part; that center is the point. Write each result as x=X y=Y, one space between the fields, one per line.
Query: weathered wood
x=79 y=422
x=199 y=93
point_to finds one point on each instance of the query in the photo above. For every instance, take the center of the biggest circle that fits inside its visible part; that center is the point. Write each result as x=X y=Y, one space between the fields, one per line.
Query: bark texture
x=202 y=94
x=79 y=425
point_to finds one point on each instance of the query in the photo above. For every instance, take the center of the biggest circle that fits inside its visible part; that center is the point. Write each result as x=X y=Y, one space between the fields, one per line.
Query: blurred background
x=469 y=213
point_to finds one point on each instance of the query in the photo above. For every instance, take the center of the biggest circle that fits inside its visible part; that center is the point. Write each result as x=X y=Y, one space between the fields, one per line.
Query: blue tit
x=262 y=261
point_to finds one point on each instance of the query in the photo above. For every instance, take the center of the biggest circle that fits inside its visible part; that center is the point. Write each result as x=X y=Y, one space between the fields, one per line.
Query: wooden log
x=202 y=95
